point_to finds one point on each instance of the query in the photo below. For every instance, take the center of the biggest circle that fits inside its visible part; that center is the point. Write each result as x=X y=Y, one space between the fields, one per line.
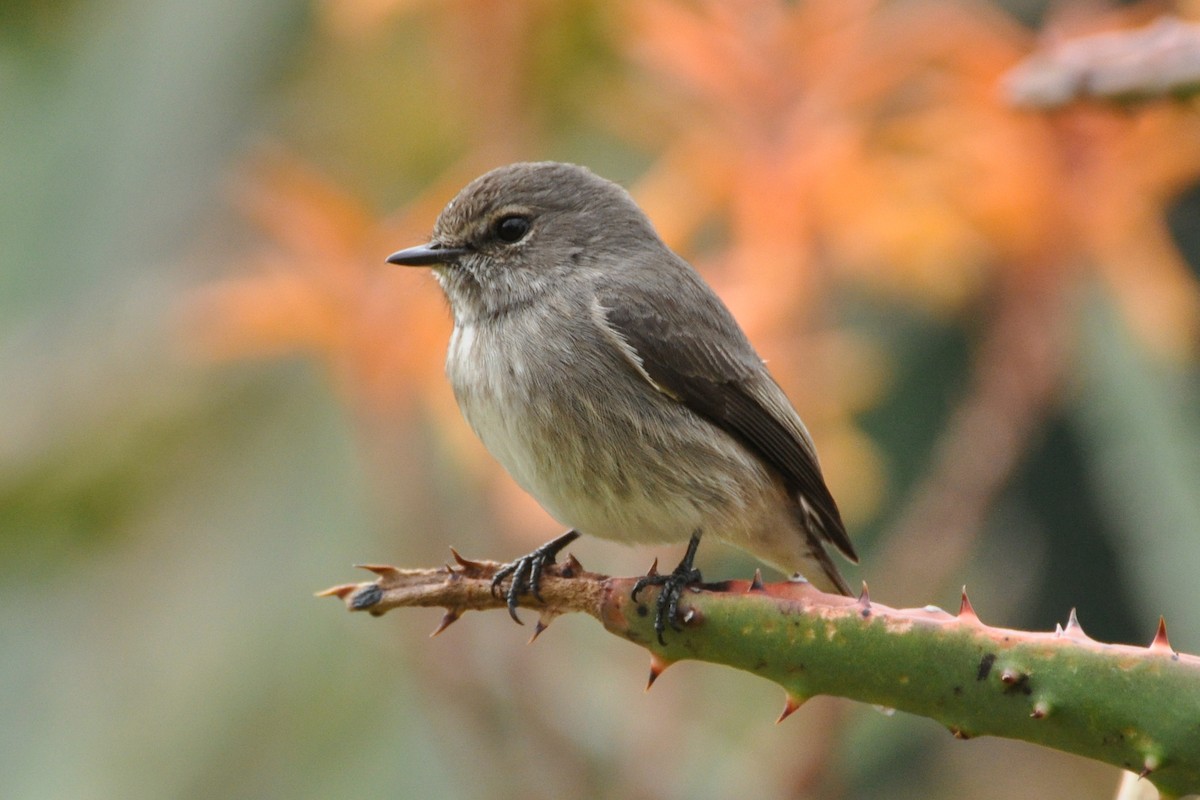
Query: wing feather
x=710 y=367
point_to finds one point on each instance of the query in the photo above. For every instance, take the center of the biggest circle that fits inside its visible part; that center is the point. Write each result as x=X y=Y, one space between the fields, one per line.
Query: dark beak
x=426 y=255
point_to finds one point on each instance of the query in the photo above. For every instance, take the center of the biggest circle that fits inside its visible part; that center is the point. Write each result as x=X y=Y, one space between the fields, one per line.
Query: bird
x=616 y=388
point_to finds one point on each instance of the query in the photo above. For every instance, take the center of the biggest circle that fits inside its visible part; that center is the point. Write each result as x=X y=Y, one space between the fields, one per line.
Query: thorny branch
x=1159 y=60
x=1133 y=707
x=467 y=586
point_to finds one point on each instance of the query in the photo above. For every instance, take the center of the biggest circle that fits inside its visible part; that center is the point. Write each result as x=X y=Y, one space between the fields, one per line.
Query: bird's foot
x=667 y=608
x=526 y=572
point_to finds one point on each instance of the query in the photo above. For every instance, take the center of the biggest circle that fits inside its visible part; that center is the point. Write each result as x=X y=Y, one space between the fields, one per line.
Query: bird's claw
x=526 y=573
x=666 y=611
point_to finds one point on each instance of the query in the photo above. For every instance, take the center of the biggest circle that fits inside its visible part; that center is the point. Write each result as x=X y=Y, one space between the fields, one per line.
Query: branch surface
x=1159 y=60
x=1133 y=707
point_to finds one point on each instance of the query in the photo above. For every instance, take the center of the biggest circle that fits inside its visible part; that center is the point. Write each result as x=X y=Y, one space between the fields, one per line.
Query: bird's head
x=519 y=231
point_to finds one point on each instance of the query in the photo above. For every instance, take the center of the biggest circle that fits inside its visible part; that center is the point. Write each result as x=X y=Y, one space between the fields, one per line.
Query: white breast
x=488 y=376
x=614 y=459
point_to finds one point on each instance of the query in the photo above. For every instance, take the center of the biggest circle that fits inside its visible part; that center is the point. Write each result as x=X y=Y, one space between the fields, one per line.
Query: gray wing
x=707 y=364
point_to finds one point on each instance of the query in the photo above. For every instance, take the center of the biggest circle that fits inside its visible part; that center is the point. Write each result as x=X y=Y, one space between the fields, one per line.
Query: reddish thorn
x=864 y=598
x=959 y=733
x=1149 y=764
x=653 y=569
x=1040 y=709
x=1058 y=631
x=340 y=592
x=544 y=619
x=657 y=666
x=789 y=708
x=466 y=563
x=572 y=567
x=756 y=585
x=1145 y=771
x=382 y=570
x=965 y=609
x=1161 y=644
x=448 y=619
x=1009 y=676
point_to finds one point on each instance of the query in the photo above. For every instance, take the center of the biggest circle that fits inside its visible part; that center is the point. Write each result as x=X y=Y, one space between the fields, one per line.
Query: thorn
x=547 y=616
x=789 y=708
x=1009 y=676
x=1073 y=620
x=756 y=585
x=449 y=618
x=1151 y=763
x=1040 y=709
x=1074 y=630
x=658 y=665
x=1160 y=643
x=382 y=570
x=467 y=564
x=339 y=592
x=864 y=598
x=965 y=609
x=572 y=567
x=1058 y=631
x=959 y=733
x=653 y=569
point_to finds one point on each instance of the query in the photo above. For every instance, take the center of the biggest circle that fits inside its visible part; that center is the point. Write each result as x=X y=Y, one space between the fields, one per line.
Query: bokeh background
x=215 y=396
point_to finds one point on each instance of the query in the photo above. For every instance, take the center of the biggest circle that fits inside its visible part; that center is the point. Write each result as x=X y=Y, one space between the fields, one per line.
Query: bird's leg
x=667 y=608
x=526 y=572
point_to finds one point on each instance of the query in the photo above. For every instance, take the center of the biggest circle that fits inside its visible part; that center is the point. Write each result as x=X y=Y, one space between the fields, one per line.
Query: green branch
x=1132 y=707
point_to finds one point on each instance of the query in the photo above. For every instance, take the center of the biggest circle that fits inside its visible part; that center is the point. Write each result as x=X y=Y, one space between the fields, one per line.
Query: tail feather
x=817 y=534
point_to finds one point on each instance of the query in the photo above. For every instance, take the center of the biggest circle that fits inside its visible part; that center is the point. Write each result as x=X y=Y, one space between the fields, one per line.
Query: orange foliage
x=869 y=142
x=319 y=287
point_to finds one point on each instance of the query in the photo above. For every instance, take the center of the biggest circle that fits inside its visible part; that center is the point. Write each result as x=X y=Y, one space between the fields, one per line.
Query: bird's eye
x=512 y=228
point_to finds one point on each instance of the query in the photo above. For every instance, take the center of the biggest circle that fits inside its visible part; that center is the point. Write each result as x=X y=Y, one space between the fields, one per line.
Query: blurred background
x=215 y=396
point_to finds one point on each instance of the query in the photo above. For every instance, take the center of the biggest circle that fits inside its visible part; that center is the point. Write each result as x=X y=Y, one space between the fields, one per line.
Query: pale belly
x=614 y=458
